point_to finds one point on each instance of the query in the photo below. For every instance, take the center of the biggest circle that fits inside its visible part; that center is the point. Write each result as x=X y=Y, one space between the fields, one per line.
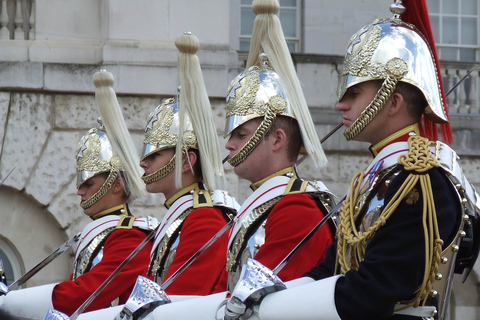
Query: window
x=289 y=15
x=455 y=26
x=11 y=263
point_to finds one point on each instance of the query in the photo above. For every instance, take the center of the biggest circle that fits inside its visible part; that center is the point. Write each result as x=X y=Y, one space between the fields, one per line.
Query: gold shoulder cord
x=352 y=243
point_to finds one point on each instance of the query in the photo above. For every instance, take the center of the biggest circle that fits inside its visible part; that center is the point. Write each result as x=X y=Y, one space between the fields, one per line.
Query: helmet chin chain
x=112 y=176
x=276 y=105
x=254 y=141
x=160 y=173
x=396 y=68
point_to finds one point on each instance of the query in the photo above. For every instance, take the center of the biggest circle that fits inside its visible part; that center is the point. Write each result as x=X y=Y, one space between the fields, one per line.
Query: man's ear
x=118 y=185
x=396 y=103
x=188 y=161
x=279 y=138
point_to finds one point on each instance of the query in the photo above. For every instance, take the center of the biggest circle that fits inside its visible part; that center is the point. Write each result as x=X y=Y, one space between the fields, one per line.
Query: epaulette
x=296 y=185
x=317 y=190
x=125 y=222
x=202 y=198
x=419 y=157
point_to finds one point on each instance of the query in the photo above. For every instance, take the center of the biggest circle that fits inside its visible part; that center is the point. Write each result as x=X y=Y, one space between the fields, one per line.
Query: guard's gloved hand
x=29 y=303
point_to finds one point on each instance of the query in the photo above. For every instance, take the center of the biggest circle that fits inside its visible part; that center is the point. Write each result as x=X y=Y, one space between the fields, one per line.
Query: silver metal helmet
x=162 y=129
x=94 y=156
x=253 y=94
x=161 y=132
x=276 y=95
x=391 y=50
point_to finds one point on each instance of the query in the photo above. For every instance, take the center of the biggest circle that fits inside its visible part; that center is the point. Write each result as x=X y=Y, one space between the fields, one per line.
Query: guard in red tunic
x=181 y=158
x=282 y=208
x=269 y=125
x=108 y=178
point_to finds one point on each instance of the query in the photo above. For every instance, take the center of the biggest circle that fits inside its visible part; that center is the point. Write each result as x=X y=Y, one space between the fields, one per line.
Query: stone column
x=474 y=93
x=462 y=94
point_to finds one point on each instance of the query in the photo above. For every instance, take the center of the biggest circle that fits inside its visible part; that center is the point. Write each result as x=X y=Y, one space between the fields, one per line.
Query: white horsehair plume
x=117 y=133
x=268 y=38
x=195 y=103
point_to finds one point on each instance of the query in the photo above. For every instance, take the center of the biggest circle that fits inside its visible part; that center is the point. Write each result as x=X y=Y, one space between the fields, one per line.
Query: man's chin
x=245 y=175
x=239 y=172
x=151 y=190
x=88 y=213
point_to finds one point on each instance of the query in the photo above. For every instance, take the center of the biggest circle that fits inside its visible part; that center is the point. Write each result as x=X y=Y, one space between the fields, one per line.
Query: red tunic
x=203 y=274
x=288 y=223
x=69 y=295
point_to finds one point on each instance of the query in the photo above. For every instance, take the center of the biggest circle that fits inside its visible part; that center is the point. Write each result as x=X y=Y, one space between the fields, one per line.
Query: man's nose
x=342 y=105
x=229 y=145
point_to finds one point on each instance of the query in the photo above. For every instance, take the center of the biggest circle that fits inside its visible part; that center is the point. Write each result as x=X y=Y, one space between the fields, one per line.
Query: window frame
x=296 y=41
x=13 y=259
x=440 y=15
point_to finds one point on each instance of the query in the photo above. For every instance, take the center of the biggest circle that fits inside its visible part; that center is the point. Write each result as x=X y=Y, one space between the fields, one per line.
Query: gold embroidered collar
x=113 y=209
x=190 y=188
x=256 y=185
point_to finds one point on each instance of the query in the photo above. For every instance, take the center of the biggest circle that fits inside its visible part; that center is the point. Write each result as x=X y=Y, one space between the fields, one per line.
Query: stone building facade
x=51 y=50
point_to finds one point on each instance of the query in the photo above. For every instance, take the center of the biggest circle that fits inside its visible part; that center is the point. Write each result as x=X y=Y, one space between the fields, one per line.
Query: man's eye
x=242 y=134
